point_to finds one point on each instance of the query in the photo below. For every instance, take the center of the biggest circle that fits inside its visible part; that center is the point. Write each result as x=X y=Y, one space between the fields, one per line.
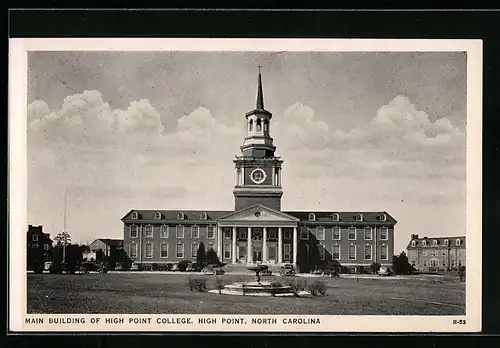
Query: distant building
x=257 y=230
x=102 y=247
x=38 y=247
x=436 y=253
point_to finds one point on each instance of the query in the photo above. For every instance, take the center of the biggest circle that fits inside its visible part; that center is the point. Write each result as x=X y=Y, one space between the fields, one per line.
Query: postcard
x=245 y=185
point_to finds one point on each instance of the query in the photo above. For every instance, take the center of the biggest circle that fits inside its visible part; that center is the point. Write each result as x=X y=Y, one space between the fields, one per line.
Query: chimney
x=414 y=236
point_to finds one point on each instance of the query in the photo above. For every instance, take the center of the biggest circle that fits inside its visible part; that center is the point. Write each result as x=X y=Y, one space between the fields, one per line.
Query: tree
x=314 y=257
x=212 y=258
x=400 y=264
x=201 y=255
x=62 y=239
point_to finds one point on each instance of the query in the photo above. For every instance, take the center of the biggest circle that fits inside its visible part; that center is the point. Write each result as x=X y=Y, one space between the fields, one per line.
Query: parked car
x=287 y=270
x=46 y=267
x=219 y=271
x=175 y=267
x=317 y=271
x=385 y=271
x=120 y=266
x=136 y=267
x=208 y=270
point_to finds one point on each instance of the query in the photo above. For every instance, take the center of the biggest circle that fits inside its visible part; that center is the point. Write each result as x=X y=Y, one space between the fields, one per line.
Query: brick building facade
x=257 y=230
x=436 y=253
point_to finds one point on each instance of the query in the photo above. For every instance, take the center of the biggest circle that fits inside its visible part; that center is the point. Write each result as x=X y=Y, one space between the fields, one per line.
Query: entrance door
x=242 y=253
x=272 y=253
x=257 y=256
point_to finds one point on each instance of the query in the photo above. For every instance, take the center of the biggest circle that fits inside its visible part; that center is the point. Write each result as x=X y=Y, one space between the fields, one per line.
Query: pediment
x=258 y=212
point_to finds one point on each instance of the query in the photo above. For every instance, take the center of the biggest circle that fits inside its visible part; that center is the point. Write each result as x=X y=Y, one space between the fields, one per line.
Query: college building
x=436 y=253
x=38 y=247
x=257 y=230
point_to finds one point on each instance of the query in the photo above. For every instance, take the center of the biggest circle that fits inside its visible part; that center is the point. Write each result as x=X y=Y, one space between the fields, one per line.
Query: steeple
x=260 y=94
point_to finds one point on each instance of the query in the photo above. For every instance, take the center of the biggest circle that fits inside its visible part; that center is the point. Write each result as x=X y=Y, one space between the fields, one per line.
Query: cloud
x=399 y=141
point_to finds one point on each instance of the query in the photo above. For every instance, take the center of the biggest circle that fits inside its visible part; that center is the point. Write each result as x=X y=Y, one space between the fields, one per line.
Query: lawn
x=143 y=293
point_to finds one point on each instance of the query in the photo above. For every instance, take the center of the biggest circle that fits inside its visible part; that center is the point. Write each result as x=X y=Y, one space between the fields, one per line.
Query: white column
x=264 y=246
x=295 y=245
x=219 y=243
x=249 y=245
x=233 y=251
x=280 y=245
x=274 y=177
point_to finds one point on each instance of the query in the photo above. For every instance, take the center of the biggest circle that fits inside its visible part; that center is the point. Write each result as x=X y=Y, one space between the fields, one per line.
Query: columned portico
x=258 y=235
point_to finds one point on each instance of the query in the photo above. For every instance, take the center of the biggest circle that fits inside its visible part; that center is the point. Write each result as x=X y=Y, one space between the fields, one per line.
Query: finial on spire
x=260 y=94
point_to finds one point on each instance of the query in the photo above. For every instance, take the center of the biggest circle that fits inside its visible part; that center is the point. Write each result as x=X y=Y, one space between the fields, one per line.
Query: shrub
x=294 y=285
x=303 y=285
x=317 y=287
x=322 y=287
x=169 y=266
x=154 y=267
x=191 y=283
x=201 y=284
x=219 y=284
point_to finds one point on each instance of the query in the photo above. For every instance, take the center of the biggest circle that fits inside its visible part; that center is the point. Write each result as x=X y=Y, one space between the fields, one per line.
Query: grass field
x=142 y=293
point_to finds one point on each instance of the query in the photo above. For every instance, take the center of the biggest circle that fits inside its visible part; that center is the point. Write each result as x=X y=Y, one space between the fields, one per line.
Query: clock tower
x=258 y=171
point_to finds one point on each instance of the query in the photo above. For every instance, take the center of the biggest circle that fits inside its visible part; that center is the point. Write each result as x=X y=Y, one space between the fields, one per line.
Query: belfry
x=258 y=171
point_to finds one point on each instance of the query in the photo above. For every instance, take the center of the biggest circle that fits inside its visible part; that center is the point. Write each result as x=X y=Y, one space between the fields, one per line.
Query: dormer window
x=336 y=217
x=312 y=217
x=359 y=217
x=157 y=216
x=424 y=243
x=457 y=242
x=203 y=216
x=446 y=242
x=383 y=217
x=413 y=243
x=434 y=242
x=180 y=216
x=135 y=216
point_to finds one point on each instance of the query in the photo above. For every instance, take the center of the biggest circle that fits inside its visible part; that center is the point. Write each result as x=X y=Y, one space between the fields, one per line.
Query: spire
x=260 y=94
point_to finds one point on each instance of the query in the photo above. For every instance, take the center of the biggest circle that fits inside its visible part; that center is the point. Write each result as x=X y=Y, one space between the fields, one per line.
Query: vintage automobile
x=219 y=271
x=287 y=270
x=385 y=271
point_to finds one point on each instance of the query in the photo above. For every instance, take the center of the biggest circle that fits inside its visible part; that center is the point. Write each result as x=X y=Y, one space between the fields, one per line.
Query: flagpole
x=64 y=231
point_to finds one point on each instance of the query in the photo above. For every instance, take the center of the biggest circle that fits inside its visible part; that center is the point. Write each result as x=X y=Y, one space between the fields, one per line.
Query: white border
x=18 y=49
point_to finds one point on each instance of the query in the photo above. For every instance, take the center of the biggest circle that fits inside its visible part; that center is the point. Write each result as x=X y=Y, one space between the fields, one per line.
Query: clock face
x=258 y=176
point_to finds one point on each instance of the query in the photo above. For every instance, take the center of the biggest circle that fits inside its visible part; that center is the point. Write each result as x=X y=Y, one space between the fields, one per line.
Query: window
x=452 y=263
x=149 y=251
x=312 y=217
x=133 y=251
x=336 y=252
x=368 y=233
x=164 y=231
x=446 y=242
x=359 y=217
x=287 y=250
x=352 y=252
x=434 y=242
x=320 y=233
x=383 y=217
x=457 y=242
x=413 y=243
x=35 y=245
x=425 y=263
x=424 y=243
x=179 y=251
x=250 y=125
x=133 y=231
x=383 y=253
x=203 y=216
x=35 y=238
x=424 y=252
x=180 y=216
x=194 y=250
x=336 y=217
x=227 y=233
x=287 y=234
x=322 y=253
x=242 y=233
x=46 y=247
x=179 y=231
x=135 y=216
x=210 y=246
x=336 y=233
x=304 y=233
x=163 y=250
x=384 y=233
x=413 y=263
x=444 y=263
x=272 y=233
x=368 y=252
x=259 y=125
x=443 y=253
x=227 y=251
x=149 y=231
x=210 y=232
x=266 y=126
x=195 y=232
x=351 y=233
x=158 y=216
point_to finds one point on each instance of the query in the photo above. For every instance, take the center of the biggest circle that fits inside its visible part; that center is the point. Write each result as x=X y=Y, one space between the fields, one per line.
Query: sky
x=358 y=131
